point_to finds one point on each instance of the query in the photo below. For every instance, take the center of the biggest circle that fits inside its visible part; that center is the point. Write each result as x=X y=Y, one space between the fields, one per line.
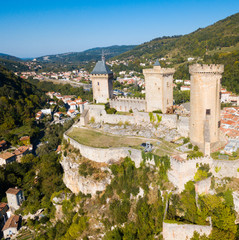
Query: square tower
x=15 y=198
x=158 y=88
x=205 y=105
x=102 y=82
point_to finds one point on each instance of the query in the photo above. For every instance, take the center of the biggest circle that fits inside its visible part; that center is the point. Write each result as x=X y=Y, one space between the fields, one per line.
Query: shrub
x=92 y=120
x=157 y=111
x=185 y=140
x=159 y=118
x=195 y=148
x=190 y=146
x=131 y=111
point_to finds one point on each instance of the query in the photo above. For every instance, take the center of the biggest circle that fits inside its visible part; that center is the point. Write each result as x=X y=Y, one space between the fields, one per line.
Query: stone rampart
x=182 y=172
x=106 y=155
x=126 y=104
x=174 y=231
x=139 y=118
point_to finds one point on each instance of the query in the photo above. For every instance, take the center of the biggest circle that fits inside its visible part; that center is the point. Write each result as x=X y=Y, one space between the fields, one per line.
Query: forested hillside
x=224 y=33
x=218 y=43
x=19 y=101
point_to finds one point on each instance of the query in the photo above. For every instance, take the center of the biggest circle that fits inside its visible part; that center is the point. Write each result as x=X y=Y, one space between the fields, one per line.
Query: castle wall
x=174 y=231
x=124 y=104
x=205 y=103
x=182 y=172
x=106 y=155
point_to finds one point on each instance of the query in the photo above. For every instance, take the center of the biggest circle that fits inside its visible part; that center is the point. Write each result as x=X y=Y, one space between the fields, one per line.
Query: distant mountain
x=93 y=54
x=13 y=65
x=9 y=57
x=224 y=33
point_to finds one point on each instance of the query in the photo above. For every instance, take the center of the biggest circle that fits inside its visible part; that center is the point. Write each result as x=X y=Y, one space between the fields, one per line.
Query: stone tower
x=205 y=105
x=158 y=88
x=102 y=84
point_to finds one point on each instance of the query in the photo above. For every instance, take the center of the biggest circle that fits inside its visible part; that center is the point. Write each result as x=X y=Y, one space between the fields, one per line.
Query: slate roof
x=157 y=63
x=101 y=68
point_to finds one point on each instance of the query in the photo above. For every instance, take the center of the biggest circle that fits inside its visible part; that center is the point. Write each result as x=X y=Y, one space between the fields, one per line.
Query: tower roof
x=101 y=68
x=157 y=63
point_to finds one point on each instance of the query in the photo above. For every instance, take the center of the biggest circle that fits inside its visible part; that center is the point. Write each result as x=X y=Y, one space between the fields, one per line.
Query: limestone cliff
x=78 y=183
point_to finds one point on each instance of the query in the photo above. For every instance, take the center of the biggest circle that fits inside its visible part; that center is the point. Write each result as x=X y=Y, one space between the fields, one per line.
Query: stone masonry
x=158 y=88
x=205 y=105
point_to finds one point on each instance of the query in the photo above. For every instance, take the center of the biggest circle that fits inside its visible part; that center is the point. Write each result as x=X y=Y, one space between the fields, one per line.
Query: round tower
x=205 y=104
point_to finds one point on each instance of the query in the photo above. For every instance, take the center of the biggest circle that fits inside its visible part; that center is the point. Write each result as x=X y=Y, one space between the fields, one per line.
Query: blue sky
x=36 y=28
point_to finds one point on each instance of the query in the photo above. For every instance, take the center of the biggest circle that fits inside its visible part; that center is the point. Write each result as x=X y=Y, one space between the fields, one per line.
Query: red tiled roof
x=2 y=205
x=12 y=222
x=6 y=155
x=14 y=191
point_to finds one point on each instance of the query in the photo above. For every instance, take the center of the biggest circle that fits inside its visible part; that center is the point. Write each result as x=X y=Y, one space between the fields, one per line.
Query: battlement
x=206 y=68
x=159 y=70
x=127 y=99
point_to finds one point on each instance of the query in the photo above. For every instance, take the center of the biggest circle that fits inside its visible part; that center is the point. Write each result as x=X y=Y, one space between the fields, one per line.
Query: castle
x=204 y=121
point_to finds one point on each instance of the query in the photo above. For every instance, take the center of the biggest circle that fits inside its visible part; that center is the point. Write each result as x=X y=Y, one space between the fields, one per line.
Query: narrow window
x=220 y=95
x=219 y=124
x=208 y=111
x=98 y=83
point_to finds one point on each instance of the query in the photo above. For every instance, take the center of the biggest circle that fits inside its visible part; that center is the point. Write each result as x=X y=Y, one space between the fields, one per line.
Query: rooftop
x=101 y=68
x=14 y=191
x=2 y=205
x=12 y=222
x=6 y=155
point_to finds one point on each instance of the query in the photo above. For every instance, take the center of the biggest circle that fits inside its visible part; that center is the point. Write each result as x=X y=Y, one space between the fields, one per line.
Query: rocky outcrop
x=77 y=183
x=174 y=231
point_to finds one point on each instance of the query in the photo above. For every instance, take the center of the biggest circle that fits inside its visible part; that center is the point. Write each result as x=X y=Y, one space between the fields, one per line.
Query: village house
x=11 y=227
x=72 y=113
x=3 y=145
x=15 y=198
x=25 y=140
x=21 y=151
x=185 y=88
x=58 y=115
x=39 y=115
x=3 y=211
x=6 y=158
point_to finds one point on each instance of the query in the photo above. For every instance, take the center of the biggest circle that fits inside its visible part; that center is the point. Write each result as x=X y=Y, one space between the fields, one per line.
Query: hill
x=224 y=33
x=93 y=54
x=19 y=101
x=14 y=65
x=217 y=43
x=9 y=57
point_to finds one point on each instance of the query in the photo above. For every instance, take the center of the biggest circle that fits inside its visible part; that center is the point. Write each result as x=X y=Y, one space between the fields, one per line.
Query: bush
x=92 y=120
x=185 y=140
x=195 y=148
x=190 y=146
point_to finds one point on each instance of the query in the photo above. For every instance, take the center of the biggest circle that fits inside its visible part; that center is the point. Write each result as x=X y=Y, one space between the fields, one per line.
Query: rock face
x=174 y=231
x=77 y=183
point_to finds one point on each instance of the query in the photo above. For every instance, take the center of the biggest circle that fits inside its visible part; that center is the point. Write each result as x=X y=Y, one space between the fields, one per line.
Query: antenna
x=103 y=55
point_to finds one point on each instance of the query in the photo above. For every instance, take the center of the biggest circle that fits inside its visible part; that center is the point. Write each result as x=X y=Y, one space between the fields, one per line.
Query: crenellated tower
x=205 y=105
x=158 y=88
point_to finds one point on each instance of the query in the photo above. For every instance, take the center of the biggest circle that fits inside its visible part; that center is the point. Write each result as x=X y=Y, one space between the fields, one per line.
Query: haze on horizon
x=37 y=28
